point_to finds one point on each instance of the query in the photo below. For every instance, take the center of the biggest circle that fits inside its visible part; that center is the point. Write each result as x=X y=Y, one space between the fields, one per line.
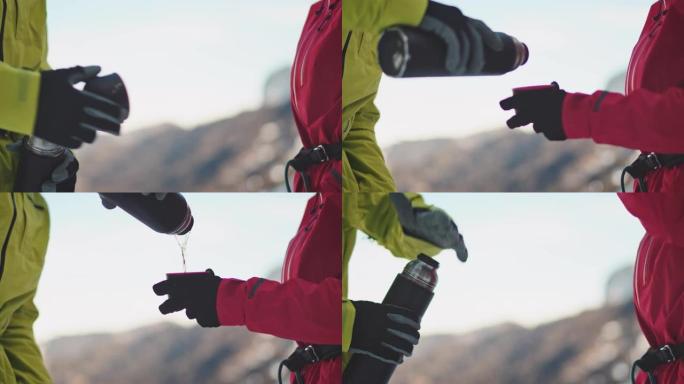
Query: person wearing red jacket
x=305 y=306
x=659 y=285
x=316 y=98
x=647 y=118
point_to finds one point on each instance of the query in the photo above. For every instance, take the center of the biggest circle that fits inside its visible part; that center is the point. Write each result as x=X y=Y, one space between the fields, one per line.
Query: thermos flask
x=413 y=52
x=412 y=289
x=39 y=157
x=170 y=215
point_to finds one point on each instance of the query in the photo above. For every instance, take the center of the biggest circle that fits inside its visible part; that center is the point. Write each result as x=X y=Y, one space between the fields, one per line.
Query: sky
x=192 y=62
x=581 y=44
x=532 y=258
x=101 y=265
x=184 y=62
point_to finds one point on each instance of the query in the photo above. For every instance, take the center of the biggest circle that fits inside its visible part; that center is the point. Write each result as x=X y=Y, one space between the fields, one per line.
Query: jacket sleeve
x=19 y=91
x=644 y=120
x=661 y=214
x=364 y=167
x=348 y=316
x=296 y=310
x=21 y=348
x=375 y=215
x=377 y=15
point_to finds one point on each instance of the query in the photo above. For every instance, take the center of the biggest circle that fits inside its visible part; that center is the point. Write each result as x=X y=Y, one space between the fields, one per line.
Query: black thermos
x=413 y=52
x=39 y=158
x=412 y=289
x=170 y=215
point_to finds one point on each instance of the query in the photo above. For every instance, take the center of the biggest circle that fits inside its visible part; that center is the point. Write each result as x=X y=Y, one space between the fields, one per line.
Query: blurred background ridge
x=594 y=347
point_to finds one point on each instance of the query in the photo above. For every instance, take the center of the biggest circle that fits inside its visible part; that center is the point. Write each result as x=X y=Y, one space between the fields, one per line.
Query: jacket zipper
x=308 y=44
x=639 y=51
x=640 y=278
x=326 y=19
x=3 y=251
x=344 y=51
x=631 y=73
x=16 y=18
x=294 y=248
x=2 y=30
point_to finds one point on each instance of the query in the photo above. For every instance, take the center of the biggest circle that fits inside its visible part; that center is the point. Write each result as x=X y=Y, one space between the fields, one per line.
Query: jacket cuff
x=230 y=302
x=348 y=316
x=575 y=116
x=18 y=99
x=404 y=12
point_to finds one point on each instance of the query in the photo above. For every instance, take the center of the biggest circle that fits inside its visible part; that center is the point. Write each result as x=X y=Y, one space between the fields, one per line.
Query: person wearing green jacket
x=405 y=225
x=363 y=22
x=24 y=232
x=402 y=223
x=37 y=101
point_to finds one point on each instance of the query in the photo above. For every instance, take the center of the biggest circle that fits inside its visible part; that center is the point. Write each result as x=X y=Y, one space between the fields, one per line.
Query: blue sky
x=184 y=62
x=533 y=257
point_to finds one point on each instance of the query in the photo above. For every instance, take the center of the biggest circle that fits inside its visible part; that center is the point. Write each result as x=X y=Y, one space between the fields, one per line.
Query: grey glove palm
x=465 y=38
x=63 y=178
x=432 y=225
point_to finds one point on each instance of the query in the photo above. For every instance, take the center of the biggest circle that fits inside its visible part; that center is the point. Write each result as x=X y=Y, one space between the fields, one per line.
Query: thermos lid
x=186 y=225
x=429 y=261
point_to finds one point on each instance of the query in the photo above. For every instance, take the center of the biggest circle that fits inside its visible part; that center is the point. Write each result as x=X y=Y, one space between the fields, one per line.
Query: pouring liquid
x=182 y=241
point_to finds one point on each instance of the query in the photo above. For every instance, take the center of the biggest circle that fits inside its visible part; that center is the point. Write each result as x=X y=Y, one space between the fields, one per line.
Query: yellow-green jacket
x=24 y=231
x=366 y=179
x=23 y=53
x=375 y=215
x=363 y=164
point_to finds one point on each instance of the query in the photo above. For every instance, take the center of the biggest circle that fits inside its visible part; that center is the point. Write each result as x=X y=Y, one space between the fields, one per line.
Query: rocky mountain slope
x=248 y=152
x=166 y=354
x=506 y=161
x=594 y=347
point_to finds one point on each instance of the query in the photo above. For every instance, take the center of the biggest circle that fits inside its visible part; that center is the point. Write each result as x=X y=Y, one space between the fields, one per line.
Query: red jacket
x=650 y=117
x=316 y=90
x=306 y=306
x=659 y=274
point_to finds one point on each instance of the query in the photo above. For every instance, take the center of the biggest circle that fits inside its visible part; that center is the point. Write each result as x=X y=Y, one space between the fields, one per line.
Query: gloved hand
x=540 y=105
x=437 y=227
x=63 y=178
x=432 y=225
x=384 y=332
x=68 y=116
x=465 y=37
x=196 y=294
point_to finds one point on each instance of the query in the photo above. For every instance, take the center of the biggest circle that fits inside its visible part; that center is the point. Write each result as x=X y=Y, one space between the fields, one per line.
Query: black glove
x=540 y=105
x=465 y=37
x=63 y=178
x=431 y=225
x=109 y=204
x=68 y=116
x=196 y=293
x=384 y=332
